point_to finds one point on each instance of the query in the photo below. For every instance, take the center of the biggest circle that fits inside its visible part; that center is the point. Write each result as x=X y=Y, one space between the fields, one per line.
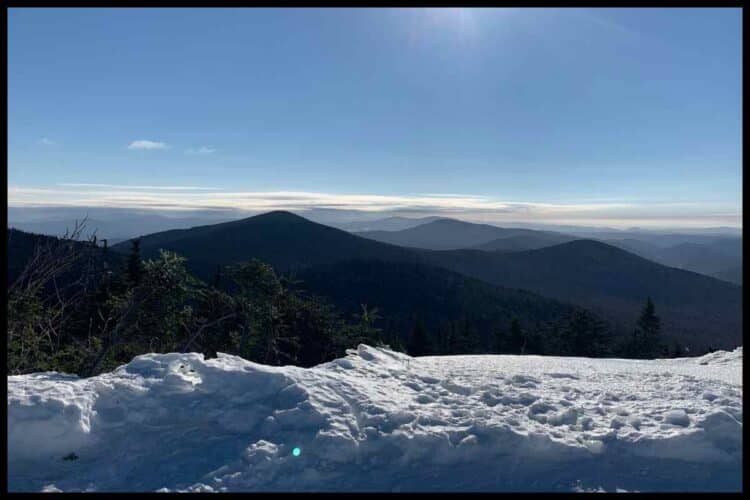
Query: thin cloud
x=145 y=144
x=44 y=141
x=460 y=206
x=127 y=186
x=203 y=150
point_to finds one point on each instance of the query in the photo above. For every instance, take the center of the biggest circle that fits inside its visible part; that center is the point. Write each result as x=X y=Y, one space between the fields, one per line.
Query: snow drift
x=383 y=421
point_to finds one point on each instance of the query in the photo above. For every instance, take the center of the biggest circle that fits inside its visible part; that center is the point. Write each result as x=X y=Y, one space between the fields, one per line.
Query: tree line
x=580 y=333
x=105 y=315
x=73 y=309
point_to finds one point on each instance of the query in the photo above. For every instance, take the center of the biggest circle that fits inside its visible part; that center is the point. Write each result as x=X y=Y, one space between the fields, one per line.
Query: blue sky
x=616 y=116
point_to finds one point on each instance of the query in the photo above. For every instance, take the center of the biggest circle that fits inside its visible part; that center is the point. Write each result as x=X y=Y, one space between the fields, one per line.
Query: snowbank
x=379 y=420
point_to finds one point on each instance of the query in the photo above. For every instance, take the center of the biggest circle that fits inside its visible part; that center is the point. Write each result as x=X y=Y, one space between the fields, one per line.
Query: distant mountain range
x=697 y=310
x=714 y=252
x=387 y=224
x=114 y=230
x=719 y=256
x=451 y=234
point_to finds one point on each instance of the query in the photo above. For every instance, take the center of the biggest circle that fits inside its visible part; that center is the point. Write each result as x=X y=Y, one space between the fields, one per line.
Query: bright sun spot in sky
x=456 y=19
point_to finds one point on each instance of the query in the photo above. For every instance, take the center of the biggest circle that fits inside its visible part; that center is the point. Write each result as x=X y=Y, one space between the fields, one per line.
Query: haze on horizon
x=603 y=117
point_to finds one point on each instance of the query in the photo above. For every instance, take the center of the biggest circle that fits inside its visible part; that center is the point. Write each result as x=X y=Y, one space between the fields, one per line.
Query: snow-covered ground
x=379 y=420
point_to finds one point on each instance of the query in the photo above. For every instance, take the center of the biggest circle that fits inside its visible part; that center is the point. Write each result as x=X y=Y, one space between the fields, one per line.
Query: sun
x=450 y=16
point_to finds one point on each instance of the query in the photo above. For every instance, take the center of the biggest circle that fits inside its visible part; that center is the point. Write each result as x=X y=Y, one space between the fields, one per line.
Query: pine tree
x=677 y=350
x=647 y=334
x=585 y=335
x=418 y=340
x=517 y=338
x=500 y=341
x=464 y=337
x=366 y=331
x=134 y=266
x=446 y=339
x=391 y=337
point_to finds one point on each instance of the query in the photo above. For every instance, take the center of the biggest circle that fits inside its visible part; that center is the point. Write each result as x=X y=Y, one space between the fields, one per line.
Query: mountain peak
x=279 y=215
x=275 y=217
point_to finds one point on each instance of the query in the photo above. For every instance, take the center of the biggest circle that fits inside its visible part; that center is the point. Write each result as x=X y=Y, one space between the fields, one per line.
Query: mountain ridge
x=697 y=309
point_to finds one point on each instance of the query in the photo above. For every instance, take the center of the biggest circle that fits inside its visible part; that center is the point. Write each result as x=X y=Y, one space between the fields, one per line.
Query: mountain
x=282 y=239
x=352 y=271
x=22 y=245
x=733 y=275
x=720 y=257
x=696 y=310
x=451 y=234
x=660 y=239
x=404 y=292
x=387 y=224
x=529 y=241
x=115 y=229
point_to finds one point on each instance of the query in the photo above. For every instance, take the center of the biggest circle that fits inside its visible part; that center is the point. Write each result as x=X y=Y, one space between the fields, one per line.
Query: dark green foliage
x=516 y=338
x=134 y=266
x=677 y=350
x=50 y=281
x=460 y=313
x=464 y=338
x=500 y=340
x=585 y=335
x=696 y=309
x=157 y=306
x=418 y=342
x=646 y=340
x=70 y=312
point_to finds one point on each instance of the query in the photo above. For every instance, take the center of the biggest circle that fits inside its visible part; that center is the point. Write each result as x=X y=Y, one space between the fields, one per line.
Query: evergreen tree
x=517 y=338
x=677 y=350
x=134 y=266
x=464 y=337
x=647 y=335
x=418 y=340
x=365 y=330
x=500 y=341
x=445 y=338
x=585 y=335
x=535 y=342
x=391 y=336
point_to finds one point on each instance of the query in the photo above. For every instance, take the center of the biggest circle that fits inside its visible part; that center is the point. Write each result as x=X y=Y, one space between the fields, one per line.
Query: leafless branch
x=202 y=328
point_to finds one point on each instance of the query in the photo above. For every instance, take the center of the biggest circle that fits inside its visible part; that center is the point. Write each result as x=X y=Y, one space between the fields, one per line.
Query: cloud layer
x=477 y=207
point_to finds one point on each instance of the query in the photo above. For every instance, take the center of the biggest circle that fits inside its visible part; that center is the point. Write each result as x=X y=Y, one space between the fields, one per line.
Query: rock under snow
x=382 y=421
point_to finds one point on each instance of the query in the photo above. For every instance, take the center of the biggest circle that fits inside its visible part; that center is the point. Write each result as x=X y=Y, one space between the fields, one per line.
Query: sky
x=613 y=117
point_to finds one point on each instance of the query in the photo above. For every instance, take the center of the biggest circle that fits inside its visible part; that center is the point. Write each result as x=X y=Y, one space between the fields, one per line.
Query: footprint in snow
x=562 y=375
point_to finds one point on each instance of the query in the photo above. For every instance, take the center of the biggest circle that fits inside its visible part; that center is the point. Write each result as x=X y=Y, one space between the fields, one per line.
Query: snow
x=377 y=420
